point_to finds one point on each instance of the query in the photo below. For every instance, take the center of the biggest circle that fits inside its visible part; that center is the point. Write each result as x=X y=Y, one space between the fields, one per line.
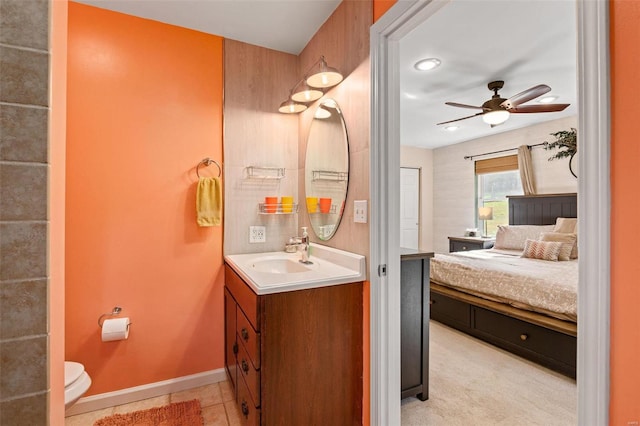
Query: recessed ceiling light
x=427 y=64
x=547 y=99
x=451 y=128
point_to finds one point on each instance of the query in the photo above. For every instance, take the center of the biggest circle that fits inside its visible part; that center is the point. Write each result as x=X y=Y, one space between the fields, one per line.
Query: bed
x=503 y=309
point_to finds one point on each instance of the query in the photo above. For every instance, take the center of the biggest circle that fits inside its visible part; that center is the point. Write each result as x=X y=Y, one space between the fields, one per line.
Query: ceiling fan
x=496 y=110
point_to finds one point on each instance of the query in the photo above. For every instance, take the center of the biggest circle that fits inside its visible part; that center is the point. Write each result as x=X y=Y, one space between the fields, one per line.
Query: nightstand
x=470 y=243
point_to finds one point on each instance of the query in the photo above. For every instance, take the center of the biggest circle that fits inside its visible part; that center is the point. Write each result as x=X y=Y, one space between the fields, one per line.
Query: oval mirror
x=326 y=169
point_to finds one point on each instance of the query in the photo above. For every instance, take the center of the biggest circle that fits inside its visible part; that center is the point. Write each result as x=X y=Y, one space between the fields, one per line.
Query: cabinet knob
x=245 y=366
x=235 y=348
x=431 y=302
x=245 y=408
x=245 y=334
x=464 y=247
x=524 y=336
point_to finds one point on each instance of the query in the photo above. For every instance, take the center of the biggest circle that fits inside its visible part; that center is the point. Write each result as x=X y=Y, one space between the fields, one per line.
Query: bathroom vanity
x=293 y=348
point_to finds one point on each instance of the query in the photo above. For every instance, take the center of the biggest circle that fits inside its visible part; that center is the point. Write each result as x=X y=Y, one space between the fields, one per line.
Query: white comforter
x=538 y=285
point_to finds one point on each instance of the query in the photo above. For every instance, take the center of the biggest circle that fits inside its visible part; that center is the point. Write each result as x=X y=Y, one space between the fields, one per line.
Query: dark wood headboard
x=541 y=209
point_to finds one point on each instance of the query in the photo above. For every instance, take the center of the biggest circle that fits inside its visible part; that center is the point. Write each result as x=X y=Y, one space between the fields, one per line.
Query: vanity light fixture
x=322 y=113
x=427 y=64
x=305 y=93
x=311 y=87
x=323 y=75
x=291 y=107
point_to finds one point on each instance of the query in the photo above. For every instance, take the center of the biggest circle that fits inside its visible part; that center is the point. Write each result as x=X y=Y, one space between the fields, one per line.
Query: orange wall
x=625 y=175
x=57 y=141
x=144 y=107
x=380 y=7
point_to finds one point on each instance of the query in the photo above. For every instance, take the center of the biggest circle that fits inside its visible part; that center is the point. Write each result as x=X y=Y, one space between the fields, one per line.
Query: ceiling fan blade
x=525 y=96
x=455 y=104
x=539 y=108
x=459 y=119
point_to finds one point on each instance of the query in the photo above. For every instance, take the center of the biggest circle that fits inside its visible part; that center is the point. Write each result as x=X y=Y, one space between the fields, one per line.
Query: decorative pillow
x=568 y=225
x=568 y=242
x=543 y=250
x=512 y=237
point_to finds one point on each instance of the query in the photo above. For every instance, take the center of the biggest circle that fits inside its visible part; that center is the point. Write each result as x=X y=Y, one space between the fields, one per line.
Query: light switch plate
x=257 y=234
x=360 y=211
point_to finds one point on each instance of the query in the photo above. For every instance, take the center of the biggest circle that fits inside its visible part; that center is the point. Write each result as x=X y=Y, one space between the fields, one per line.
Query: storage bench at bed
x=548 y=347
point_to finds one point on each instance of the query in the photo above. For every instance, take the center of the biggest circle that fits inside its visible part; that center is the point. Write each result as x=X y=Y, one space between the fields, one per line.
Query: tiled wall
x=454 y=177
x=24 y=94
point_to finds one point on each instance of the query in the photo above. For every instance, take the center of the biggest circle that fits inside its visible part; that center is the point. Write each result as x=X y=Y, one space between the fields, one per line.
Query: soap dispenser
x=304 y=242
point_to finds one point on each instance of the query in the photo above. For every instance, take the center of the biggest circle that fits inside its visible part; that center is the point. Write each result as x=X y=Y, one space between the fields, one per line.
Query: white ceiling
x=523 y=42
x=284 y=25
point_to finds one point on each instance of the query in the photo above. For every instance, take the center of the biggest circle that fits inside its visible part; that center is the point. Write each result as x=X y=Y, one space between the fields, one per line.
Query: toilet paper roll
x=115 y=329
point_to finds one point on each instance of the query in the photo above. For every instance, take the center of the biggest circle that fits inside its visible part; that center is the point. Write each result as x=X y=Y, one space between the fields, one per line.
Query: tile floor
x=218 y=406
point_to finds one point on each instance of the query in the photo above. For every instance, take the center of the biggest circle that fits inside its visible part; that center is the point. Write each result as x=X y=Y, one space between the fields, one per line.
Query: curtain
x=526 y=170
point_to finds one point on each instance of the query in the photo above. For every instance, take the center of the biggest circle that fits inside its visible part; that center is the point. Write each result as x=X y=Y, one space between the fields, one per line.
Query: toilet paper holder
x=115 y=312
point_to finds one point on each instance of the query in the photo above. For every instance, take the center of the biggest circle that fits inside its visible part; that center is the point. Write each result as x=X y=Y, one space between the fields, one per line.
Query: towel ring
x=207 y=162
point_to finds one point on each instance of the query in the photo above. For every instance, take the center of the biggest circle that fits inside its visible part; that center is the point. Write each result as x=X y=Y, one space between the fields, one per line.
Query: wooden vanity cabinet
x=295 y=357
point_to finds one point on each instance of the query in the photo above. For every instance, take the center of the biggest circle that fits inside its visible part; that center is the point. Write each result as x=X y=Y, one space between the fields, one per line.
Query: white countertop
x=264 y=272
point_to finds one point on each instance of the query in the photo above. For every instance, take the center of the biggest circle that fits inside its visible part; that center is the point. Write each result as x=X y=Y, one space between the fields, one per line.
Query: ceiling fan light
x=291 y=107
x=305 y=93
x=427 y=64
x=547 y=99
x=495 y=117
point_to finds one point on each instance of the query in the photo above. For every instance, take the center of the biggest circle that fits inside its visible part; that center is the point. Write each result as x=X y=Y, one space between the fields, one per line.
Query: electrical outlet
x=257 y=234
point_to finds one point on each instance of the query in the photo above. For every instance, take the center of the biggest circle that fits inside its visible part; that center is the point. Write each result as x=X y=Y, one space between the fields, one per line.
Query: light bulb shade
x=485 y=213
x=494 y=117
x=304 y=93
x=322 y=113
x=324 y=76
x=291 y=107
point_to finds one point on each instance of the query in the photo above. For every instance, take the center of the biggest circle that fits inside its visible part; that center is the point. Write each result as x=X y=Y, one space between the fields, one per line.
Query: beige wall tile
x=23 y=308
x=23 y=192
x=30 y=410
x=24 y=366
x=25 y=23
x=24 y=250
x=24 y=134
x=25 y=76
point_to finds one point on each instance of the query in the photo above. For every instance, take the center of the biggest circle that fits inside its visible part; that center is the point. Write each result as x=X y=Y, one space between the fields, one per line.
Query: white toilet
x=76 y=382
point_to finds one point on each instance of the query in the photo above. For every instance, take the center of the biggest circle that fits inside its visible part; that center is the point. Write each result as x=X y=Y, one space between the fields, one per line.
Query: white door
x=409 y=207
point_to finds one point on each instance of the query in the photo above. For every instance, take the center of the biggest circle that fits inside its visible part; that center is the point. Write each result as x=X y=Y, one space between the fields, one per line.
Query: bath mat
x=187 y=413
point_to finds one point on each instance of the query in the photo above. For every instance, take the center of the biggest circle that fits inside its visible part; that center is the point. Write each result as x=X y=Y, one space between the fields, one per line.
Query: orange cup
x=325 y=205
x=270 y=204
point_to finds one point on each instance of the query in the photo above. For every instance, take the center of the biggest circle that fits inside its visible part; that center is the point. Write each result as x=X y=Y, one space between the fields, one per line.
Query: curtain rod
x=471 y=157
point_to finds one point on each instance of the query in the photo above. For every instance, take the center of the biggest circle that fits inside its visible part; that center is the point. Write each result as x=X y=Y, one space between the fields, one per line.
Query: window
x=496 y=178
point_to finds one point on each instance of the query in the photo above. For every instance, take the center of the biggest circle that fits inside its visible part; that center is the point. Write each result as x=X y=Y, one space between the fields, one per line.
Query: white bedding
x=502 y=275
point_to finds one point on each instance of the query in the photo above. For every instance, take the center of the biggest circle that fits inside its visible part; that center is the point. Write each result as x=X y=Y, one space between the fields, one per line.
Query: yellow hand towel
x=209 y=201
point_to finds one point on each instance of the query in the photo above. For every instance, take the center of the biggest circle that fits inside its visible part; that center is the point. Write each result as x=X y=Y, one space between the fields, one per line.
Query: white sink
x=275 y=272
x=281 y=265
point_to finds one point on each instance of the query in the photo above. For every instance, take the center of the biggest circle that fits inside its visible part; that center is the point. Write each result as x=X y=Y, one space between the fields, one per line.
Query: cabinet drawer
x=249 y=338
x=243 y=294
x=450 y=311
x=249 y=414
x=548 y=343
x=250 y=375
x=463 y=246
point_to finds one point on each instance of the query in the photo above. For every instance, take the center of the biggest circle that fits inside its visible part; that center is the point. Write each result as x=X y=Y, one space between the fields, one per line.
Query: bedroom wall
x=422 y=159
x=454 y=178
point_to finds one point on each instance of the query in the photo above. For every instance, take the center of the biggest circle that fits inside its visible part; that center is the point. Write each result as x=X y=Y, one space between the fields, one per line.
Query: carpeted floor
x=474 y=383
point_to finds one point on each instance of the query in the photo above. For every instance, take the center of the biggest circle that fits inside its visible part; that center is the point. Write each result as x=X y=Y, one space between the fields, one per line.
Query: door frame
x=594 y=198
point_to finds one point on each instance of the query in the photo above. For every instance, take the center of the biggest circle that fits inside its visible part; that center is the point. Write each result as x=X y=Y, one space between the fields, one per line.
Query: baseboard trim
x=151 y=390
